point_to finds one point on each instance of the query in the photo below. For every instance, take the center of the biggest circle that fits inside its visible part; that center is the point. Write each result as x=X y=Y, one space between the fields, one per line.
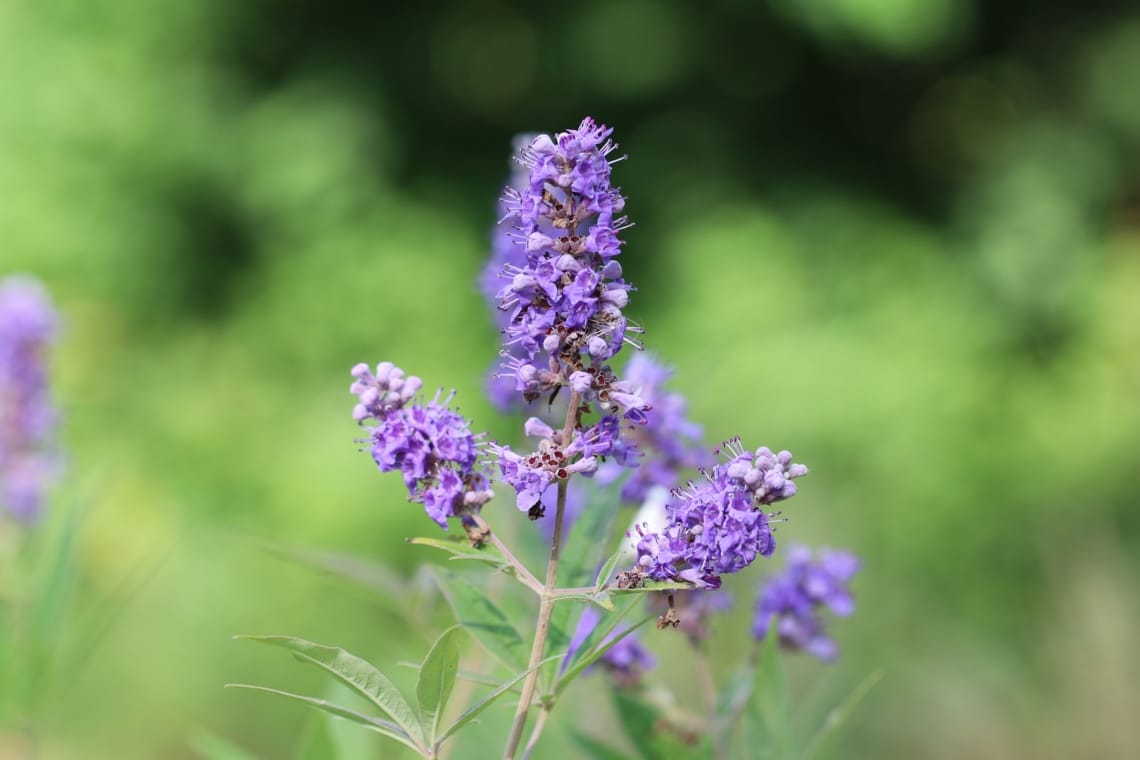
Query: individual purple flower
x=428 y=443
x=28 y=460
x=718 y=525
x=796 y=598
x=669 y=442
x=565 y=300
x=626 y=661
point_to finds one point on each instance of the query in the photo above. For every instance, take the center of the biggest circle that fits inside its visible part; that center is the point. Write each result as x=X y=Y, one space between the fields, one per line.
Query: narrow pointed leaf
x=608 y=569
x=437 y=678
x=383 y=727
x=482 y=619
x=607 y=624
x=602 y=599
x=462 y=549
x=463 y=675
x=472 y=712
x=837 y=717
x=355 y=673
x=593 y=656
x=653 y=586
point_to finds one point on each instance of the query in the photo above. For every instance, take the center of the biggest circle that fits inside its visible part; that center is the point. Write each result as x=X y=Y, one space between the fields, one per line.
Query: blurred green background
x=898 y=237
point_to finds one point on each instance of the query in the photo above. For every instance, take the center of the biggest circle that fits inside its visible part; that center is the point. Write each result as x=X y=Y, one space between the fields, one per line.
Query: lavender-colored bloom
x=28 y=461
x=796 y=598
x=668 y=441
x=626 y=661
x=718 y=525
x=533 y=475
x=565 y=300
x=431 y=445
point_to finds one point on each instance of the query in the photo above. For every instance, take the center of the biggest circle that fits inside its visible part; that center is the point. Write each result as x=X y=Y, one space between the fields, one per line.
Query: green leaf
x=461 y=547
x=465 y=675
x=437 y=678
x=602 y=599
x=355 y=673
x=838 y=716
x=605 y=625
x=768 y=722
x=592 y=656
x=472 y=712
x=485 y=621
x=383 y=727
x=653 y=586
x=608 y=569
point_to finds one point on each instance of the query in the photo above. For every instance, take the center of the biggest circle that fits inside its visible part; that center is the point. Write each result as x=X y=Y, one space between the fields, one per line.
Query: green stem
x=546 y=599
x=536 y=732
x=524 y=575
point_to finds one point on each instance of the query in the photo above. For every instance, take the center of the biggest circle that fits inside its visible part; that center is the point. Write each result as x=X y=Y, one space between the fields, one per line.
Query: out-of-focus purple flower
x=796 y=598
x=506 y=248
x=717 y=525
x=431 y=445
x=507 y=252
x=626 y=661
x=28 y=460
x=669 y=443
x=565 y=299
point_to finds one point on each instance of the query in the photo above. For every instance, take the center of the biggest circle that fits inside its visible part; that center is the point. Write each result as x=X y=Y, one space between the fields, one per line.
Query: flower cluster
x=794 y=599
x=532 y=475
x=28 y=463
x=565 y=299
x=669 y=443
x=718 y=525
x=431 y=445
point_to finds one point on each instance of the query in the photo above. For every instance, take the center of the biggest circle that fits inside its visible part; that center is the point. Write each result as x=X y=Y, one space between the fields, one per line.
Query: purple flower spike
x=795 y=598
x=428 y=443
x=717 y=525
x=28 y=420
x=561 y=287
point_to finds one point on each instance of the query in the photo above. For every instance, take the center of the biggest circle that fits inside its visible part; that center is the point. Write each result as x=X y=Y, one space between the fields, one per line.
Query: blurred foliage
x=900 y=238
